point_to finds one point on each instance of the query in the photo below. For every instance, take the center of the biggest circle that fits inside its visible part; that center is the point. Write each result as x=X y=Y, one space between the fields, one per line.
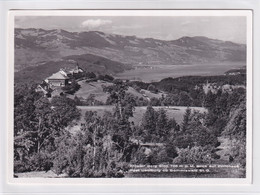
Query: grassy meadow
x=175 y=112
x=96 y=89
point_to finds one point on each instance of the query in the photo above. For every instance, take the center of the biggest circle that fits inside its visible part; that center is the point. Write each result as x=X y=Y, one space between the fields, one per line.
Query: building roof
x=44 y=84
x=45 y=87
x=58 y=76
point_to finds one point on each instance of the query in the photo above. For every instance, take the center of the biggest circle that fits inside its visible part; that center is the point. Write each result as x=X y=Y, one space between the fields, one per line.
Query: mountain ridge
x=33 y=46
x=88 y=62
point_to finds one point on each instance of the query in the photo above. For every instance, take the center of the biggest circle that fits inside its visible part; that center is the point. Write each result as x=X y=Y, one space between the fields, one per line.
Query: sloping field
x=96 y=88
x=175 y=112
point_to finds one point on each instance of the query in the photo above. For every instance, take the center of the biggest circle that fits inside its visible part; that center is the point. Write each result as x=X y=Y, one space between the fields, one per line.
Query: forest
x=105 y=146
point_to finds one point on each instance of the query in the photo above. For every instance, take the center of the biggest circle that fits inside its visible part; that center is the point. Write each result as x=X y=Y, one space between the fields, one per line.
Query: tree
x=149 y=124
x=154 y=102
x=64 y=112
x=80 y=155
x=194 y=132
x=209 y=100
x=94 y=134
x=124 y=107
x=35 y=141
x=152 y=88
x=186 y=119
x=44 y=130
x=124 y=104
x=184 y=99
x=173 y=126
x=162 y=128
x=108 y=78
x=91 y=100
x=91 y=152
x=170 y=100
x=24 y=125
x=235 y=131
x=90 y=75
x=71 y=88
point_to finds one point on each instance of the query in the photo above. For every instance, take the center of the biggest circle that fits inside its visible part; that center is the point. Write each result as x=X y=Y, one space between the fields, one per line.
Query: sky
x=227 y=28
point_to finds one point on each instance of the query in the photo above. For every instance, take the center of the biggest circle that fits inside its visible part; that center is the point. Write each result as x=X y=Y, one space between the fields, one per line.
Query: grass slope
x=89 y=62
x=96 y=88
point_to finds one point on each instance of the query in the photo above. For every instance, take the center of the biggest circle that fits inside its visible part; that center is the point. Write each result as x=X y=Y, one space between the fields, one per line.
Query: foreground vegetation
x=106 y=145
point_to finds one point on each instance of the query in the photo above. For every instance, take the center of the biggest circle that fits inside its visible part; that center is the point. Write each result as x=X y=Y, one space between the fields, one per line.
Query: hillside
x=96 y=89
x=34 y=46
x=89 y=62
x=186 y=83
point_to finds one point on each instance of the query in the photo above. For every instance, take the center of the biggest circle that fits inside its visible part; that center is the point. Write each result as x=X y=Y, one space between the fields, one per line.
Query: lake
x=157 y=72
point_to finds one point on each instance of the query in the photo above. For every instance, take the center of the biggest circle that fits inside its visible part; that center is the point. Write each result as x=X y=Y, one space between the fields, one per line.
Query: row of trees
x=186 y=91
x=227 y=118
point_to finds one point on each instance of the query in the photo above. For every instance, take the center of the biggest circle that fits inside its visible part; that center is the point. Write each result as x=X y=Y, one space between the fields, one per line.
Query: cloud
x=92 y=24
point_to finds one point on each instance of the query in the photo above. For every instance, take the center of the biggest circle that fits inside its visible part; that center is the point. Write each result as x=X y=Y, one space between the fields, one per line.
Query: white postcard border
x=132 y=181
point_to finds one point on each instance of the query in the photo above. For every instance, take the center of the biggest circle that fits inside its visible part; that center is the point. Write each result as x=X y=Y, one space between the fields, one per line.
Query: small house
x=45 y=88
x=57 y=79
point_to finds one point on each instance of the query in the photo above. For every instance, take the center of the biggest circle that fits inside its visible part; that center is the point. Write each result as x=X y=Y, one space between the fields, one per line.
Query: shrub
x=41 y=162
x=139 y=157
x=71 y=88
x=196 y=154
x=108 y=78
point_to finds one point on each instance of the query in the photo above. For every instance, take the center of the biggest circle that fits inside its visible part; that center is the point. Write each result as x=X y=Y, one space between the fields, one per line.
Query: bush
x=139 y=156
x=196 y=154
x=71 y=88
x=108 y=78
x=21 y=166
x=152 y=88
x=41 y=162
x=90 y=75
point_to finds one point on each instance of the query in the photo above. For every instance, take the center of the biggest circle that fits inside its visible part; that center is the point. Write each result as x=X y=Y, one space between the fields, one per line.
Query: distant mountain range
x=38 y=47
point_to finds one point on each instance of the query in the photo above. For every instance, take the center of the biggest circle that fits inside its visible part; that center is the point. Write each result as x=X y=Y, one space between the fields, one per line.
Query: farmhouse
x=45 y=88
x=57 y=79
x=52 y=84
x=73 y=72
x=76 y=71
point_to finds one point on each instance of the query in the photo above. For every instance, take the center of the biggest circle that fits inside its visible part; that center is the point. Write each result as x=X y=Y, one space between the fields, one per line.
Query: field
x=175 y=112
x=157 y=72
x=96 y=88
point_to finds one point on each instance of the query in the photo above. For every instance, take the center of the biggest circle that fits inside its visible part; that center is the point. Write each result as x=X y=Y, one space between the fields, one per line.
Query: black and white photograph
x=131 y=94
